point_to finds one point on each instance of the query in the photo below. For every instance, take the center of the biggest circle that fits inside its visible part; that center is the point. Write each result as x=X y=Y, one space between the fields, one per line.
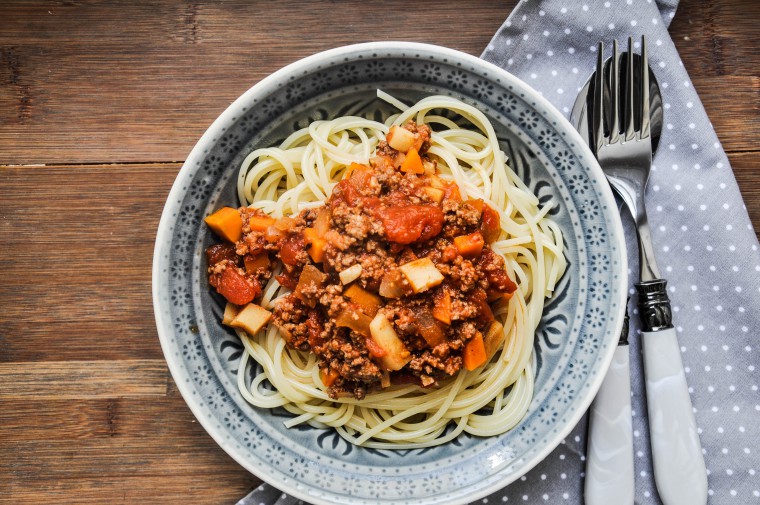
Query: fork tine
x=598 y=104
x=615 y=94
x=644 y=131
x=630 y=100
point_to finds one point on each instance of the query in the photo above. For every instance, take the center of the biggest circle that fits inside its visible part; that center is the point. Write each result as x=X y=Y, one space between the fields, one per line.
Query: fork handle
x=609 y=465
x=679 y=467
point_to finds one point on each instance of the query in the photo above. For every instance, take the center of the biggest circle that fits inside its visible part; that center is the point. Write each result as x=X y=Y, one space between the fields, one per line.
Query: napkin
x=705 y=247
x=704 y=244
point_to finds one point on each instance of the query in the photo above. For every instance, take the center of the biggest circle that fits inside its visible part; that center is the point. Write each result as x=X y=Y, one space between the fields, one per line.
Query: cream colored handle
x=679 y=468
x=609 y=463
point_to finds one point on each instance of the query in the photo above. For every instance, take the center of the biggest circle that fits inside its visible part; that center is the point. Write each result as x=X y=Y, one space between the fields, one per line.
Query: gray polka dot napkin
x=705 y=247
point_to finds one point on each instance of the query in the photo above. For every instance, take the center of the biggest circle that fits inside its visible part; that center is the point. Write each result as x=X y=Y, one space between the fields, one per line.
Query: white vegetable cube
x=383 y=334
x=435 y=194
x=230 y=313
x=400 y=138
x=421 y=274
x=251 y=318
x=350 y=274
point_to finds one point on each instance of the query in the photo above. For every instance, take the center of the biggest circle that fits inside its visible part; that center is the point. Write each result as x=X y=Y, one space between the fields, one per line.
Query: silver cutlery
x=620 y=133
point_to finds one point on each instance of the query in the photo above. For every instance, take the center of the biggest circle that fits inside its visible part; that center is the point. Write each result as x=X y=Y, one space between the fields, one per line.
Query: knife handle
x=679 y=467
x=609 y=464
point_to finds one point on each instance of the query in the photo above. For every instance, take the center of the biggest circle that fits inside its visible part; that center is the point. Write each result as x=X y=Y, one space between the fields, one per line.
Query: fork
x=623 y=146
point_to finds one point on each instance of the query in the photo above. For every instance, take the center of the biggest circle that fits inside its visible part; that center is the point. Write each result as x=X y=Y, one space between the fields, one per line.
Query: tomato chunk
x=235 y=287
x=293 y=244
x=411 y=223
x=219 y=252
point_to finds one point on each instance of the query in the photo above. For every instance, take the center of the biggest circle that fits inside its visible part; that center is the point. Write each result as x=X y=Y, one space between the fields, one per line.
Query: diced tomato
x=411 y=223
x=236 y=288
x=219 y=252
x=347 y=192
x=328 y=376
x=374 y=350
x=291 y=246
x=286 y=280
x=490 y=224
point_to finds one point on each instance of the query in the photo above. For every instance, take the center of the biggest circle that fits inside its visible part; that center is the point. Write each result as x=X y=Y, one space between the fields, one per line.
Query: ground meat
x=381 y=219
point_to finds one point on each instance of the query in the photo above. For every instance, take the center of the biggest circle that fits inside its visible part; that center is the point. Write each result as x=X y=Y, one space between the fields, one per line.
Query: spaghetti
x=301 y=173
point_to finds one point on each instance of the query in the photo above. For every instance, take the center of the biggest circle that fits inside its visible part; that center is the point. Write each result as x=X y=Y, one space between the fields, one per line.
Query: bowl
x=573 y=344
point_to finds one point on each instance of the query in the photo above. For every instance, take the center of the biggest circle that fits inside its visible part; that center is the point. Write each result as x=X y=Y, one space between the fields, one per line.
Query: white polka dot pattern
x=706 y=248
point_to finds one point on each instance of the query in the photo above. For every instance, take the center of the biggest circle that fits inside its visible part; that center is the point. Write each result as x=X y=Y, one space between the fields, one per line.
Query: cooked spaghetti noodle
x=301 y=173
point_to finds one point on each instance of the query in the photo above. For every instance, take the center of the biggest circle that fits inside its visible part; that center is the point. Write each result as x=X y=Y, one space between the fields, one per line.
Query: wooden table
x=99 y=105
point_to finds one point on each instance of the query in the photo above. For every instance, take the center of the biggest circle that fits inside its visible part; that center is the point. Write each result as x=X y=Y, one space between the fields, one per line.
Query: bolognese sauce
x=392 y=280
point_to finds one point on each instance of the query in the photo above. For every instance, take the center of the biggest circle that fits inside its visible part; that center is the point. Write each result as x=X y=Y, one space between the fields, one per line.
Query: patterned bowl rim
x=295 y=68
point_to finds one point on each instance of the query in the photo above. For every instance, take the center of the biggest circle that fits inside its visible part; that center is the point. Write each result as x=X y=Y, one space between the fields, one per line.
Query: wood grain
x=158 y=73
x=99 y=104
x=53 y=380
x=90 y=294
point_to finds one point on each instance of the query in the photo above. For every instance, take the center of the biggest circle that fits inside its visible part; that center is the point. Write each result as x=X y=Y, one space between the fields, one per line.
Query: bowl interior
x=573 y=344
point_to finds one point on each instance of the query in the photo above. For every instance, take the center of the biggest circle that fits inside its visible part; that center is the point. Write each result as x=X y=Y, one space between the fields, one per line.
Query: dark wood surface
x=99 y=105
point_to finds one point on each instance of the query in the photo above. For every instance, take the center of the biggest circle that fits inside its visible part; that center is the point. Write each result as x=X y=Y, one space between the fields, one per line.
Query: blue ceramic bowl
x=573 y=345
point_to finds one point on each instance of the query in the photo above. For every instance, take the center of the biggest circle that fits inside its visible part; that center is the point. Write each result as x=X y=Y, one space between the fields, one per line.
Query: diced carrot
x=442 y=308
x=412 y=163
x=253 y=263
x=328 y=376
x=369 y=303
x=260 y=223
x=476 y=203
x=317 y=249
x=475 y=352
x=470 y=245
x=451 y=192
x=227 y=223
x=490 y=224
x=355 y=167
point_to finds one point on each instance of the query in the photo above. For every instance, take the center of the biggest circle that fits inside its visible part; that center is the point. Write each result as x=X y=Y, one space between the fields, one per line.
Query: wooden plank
x=114 y=457
x=732 y=103
x=73 y=419
x=77 y=248
x=98 y=82
x=43 y=380
x=220 y=486
x=94 y=448
x=717 y=38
